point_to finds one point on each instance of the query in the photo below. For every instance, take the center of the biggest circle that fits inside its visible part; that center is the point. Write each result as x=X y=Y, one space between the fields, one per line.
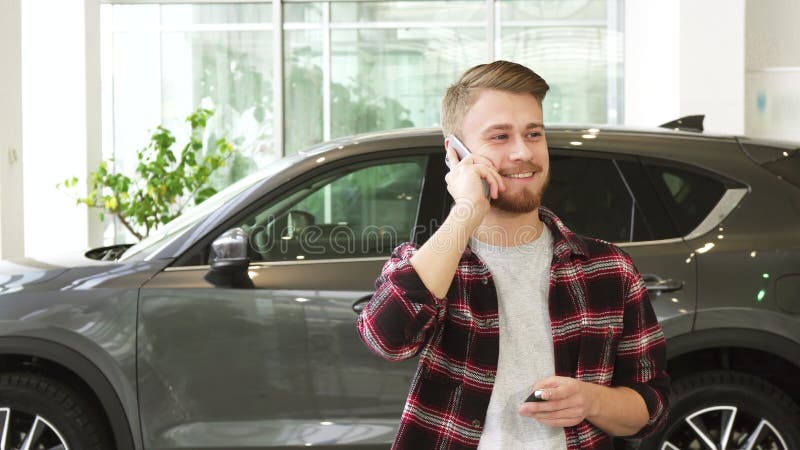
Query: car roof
x=660 y=142
x=559 y=128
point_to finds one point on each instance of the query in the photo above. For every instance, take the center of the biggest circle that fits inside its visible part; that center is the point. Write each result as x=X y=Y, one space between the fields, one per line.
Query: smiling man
x=504 y=301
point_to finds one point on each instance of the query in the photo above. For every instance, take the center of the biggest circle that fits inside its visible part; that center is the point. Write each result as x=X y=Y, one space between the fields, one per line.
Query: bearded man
x=528 y=335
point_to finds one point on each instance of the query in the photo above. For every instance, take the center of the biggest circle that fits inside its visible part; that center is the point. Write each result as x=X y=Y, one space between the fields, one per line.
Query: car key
x=536 y=396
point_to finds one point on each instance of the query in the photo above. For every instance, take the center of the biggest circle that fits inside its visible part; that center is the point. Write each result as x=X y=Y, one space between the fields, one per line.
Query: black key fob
x=536 y=396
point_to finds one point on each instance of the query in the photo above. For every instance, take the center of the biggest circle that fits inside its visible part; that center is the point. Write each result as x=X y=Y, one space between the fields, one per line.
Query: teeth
x=520 y=175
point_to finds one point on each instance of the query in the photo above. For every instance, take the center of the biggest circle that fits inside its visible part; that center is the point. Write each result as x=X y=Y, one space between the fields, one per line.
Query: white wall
x=682 y=58
x=652 y=62
x=712 y=63
x=772 y=93
x=54 y=131
x=11 y=222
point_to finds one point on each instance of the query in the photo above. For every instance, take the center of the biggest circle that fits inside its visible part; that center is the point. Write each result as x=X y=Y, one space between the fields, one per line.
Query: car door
x=610 y=197
x=281 y=365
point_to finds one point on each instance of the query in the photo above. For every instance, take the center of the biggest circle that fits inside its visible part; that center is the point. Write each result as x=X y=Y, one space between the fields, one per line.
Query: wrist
x=594 y=394
x=468 y=212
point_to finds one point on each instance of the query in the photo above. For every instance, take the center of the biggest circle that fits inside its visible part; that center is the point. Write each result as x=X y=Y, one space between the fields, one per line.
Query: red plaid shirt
x=604 y=332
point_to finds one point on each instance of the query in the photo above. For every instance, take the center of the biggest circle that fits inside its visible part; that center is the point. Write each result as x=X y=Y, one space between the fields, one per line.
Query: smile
x=519 y=175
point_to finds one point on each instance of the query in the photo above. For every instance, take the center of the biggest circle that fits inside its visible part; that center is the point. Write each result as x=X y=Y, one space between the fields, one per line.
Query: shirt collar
x=565 y=242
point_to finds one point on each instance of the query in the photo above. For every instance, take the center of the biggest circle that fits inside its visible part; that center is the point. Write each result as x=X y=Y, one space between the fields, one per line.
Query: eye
x=534 y=134
x=500 y=137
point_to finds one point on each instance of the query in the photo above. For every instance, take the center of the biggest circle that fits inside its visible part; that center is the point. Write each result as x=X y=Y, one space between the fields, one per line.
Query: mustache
x=522 y=168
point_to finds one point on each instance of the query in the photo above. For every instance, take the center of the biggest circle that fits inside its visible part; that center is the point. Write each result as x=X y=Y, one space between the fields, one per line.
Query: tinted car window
x=592 y=199
x=357 y=212
x=688 y=195
x=653 y=223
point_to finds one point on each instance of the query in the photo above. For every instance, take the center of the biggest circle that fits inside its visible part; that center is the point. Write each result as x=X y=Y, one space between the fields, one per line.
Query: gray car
x=234 y=325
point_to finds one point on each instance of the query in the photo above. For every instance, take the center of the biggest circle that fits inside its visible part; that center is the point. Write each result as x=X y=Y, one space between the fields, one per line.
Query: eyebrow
x=508 y=126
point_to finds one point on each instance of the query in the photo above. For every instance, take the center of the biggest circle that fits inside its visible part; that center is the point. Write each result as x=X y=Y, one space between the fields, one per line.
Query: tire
x=706 y=404
x=51 y=413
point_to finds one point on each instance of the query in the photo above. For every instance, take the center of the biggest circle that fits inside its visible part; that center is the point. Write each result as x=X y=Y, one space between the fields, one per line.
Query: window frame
x=612 y=158
x=441 y=207
x=668 y=202
x=199 y=252
x=317 y=185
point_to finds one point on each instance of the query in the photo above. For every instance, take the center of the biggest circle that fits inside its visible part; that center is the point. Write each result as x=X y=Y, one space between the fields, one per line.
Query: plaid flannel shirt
x=604 y=332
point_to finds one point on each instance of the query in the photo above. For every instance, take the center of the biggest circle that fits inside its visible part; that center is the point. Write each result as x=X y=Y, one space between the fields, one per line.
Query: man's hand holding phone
x=472 y=177
x=436 y=261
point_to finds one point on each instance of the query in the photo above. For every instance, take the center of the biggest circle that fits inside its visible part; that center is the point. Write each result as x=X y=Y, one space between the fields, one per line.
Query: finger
x=549 y=382
x=544 y=392
x=499 y=180
x=452 y=155
x=480 y=159
x=558 y=413
x=553 y=387
x=561 y=423
x=534 y=408
x=469 y=159
x=570 y=414
x=568 y=390
x=491 y=177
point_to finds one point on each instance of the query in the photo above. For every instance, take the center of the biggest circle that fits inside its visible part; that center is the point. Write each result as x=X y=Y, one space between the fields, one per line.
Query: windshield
x=195 y=214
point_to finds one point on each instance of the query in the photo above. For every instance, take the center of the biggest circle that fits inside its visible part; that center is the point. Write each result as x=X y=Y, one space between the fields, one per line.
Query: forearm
x=437 y=260
x=619 y=411
x=397 y=319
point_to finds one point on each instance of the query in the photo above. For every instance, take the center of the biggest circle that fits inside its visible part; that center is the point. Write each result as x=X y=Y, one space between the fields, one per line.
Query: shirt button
x=476 y=423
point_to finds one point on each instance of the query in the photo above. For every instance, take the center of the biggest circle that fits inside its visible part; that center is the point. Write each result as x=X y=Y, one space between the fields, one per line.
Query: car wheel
x=728 y=410
x=40 y=413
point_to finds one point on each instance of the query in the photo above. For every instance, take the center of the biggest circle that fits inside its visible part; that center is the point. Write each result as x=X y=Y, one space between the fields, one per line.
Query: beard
x=521 y=202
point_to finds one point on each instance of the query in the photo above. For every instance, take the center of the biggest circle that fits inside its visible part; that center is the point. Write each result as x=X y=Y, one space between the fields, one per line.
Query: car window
x=592 y=199
x=654 y=222
x=688 y=195
x=197 y=213
x=355 y=212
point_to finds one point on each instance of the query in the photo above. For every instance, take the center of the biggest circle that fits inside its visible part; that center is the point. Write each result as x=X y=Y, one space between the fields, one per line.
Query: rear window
x=782 y=160
x=589 y=196
x=688 y=195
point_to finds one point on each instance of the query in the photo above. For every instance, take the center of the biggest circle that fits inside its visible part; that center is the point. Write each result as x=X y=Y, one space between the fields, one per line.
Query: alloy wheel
x=724 y=428
x=23 y=431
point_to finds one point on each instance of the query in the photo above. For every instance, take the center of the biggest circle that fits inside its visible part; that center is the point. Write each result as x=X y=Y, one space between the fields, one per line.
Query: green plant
x=163 y=184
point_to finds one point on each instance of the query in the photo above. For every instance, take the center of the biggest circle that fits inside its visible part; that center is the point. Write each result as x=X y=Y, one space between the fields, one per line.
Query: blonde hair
x=501 y=75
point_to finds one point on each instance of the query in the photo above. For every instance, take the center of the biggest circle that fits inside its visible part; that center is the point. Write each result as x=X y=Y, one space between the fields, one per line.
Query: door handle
x=358 y=306
x=656 y=284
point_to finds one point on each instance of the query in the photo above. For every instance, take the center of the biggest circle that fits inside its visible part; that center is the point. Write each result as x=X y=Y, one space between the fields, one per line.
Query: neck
x=501 y=228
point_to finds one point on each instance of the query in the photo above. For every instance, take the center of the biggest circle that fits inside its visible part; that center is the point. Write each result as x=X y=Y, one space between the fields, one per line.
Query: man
x=504 y=300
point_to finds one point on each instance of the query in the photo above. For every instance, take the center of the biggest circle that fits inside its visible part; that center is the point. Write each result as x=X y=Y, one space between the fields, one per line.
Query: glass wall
x=169 y=59
x=344 y=67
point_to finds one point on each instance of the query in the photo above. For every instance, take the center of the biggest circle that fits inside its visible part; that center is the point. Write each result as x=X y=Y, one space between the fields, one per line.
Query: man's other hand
x=567 y=402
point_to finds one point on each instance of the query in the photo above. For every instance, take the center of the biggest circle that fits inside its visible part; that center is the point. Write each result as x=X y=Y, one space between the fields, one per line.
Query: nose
x=520 y=150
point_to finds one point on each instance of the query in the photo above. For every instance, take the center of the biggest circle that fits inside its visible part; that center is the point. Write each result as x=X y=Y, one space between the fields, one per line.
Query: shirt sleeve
x=641 y=353
x=400 y=317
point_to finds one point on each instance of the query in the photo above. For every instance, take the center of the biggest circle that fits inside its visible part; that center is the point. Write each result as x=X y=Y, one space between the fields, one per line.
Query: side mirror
x=229 y=260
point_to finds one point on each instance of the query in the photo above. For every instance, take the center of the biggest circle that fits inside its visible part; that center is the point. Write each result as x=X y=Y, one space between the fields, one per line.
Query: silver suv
x=234 y=326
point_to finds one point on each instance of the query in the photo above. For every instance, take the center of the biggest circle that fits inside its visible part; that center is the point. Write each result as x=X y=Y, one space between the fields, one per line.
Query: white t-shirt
x=522 y=279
